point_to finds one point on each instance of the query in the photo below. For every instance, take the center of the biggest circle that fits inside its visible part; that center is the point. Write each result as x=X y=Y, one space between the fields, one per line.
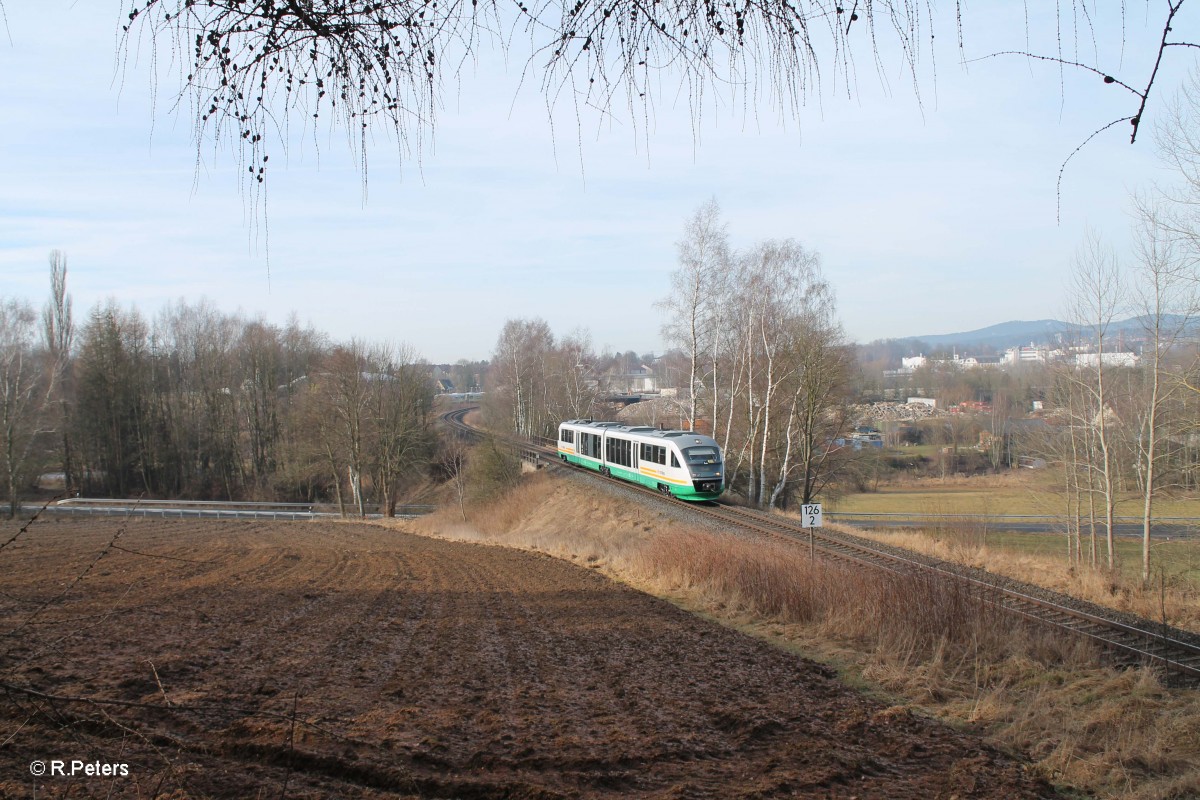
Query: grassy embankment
x=1115 y=733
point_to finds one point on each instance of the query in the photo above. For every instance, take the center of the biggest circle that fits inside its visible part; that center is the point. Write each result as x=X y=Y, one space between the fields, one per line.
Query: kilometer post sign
x=810 y=517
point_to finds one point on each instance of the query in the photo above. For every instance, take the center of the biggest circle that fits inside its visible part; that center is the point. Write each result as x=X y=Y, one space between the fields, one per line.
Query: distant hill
x=1022 y=332
x=999 y=336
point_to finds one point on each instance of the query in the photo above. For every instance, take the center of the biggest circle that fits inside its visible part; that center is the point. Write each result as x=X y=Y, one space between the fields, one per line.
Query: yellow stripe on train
x=659 y=475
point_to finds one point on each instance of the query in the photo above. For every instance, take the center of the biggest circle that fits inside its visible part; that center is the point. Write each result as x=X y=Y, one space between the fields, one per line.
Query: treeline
x=200 y=404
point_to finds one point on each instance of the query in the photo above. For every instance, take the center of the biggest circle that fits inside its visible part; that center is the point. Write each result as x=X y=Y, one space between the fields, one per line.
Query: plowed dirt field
x=243 y=659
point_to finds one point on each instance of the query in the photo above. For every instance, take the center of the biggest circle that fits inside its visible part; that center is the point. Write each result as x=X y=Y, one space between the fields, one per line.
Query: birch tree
x=703 y=256
x=574 y=367
x=1169 y=305
x=790 y=297
x=1098 y=295
x=519 y=387
x=346 y=387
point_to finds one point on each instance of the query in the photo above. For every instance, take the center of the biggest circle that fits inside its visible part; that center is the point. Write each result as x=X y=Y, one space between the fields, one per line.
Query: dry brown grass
x=932 y=648
x=965 y=541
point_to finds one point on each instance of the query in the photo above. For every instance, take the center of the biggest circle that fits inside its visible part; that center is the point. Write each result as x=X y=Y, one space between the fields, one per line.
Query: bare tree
x=704 y=256
x=520 y=379
x=764 y=320
x=260 y=355
x=1098 y=295
x=400 y=441
x=1167 y=282
x=22 y=395
x=345 y=386
x=116 y=420
x=251 y=66
x=453 y=459
x=58 y=333
x=574 y=368
x=818 y=412
x=196 y=392
x=789 y=295
x=254 y=66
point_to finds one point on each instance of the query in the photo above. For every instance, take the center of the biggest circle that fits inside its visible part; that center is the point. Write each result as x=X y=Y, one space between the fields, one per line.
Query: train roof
x=645 y=431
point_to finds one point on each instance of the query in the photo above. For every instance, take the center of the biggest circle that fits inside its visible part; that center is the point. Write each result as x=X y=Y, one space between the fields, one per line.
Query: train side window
x=622 y=452
x=674 y=460
x=568 y=436
x=654 y=453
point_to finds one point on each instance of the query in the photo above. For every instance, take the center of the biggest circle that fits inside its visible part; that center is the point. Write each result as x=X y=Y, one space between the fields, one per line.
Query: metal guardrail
x=206 y=509
x=185 y=513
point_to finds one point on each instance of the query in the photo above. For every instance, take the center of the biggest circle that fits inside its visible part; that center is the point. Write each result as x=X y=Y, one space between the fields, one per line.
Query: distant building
x=637 y=380
x=1033 y=354
x=922 y=401
x=1093 y=360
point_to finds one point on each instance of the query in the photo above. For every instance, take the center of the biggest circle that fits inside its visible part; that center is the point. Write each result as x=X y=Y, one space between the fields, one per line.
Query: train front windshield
x=701 y=456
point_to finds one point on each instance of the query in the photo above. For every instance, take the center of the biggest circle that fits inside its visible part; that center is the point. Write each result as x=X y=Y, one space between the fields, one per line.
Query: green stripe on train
x=687 y=492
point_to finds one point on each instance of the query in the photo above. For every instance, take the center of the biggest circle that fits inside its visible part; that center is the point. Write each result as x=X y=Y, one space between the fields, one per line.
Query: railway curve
x=1128 y=639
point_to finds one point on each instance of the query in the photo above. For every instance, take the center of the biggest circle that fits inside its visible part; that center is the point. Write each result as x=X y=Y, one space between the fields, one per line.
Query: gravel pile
x=892 y=412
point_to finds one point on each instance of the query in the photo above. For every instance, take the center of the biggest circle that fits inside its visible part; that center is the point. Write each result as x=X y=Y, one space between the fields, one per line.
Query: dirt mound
x=230 y=660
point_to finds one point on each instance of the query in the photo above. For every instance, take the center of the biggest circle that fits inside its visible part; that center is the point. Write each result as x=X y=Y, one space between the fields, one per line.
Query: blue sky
x=930 y=216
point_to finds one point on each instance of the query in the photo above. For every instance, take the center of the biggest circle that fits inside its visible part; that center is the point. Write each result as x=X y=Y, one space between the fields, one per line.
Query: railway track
x=1144 y=642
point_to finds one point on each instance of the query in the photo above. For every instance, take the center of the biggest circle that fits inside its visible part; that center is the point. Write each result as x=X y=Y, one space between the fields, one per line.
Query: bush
x=492 y=470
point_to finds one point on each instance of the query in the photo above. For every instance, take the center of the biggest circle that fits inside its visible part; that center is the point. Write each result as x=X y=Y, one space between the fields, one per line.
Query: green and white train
x=681 y=463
